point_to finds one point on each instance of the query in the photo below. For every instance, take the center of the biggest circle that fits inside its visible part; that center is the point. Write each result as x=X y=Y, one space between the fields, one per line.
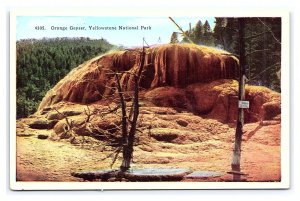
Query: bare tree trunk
x=123 y=107
x=128 y=147
x=235 y=165
x=126 y=163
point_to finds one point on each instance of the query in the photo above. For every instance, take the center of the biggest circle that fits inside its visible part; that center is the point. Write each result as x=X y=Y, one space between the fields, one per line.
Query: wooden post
x=235 y=165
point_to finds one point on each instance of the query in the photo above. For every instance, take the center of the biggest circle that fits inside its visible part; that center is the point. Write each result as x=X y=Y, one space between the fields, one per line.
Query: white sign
x=243 y=104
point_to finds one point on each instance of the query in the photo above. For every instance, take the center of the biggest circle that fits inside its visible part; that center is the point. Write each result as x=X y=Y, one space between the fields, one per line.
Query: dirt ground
x=48 y=160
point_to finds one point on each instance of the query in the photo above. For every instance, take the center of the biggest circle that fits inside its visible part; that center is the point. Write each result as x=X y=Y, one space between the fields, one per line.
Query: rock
x=67 y=135
x=167 y=97
x=182 y=122
x=45 y=110
x=43 y=124
x=25 y=134
x=151 y=174
x=175 y=65
x=103 y=175
x=164 y=134
x=73 y=140
x=57 y=116
x=42 y=136
x=146 y=148
x=218 y=100
x=195 y=78
x=112 y=179
x=271 y=110
x=176 y=136
x=71 y=113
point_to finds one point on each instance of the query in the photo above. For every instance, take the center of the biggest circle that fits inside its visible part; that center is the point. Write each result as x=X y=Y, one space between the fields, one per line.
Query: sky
x=160 y=32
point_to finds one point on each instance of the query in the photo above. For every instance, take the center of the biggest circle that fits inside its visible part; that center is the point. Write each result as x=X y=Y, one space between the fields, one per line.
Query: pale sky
x=161 y=28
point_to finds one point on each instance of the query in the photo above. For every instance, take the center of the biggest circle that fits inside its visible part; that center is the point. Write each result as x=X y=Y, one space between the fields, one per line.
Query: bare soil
x=48 y=160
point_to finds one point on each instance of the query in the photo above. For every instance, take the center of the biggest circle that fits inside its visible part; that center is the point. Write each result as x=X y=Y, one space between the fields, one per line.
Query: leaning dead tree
x=128 y=111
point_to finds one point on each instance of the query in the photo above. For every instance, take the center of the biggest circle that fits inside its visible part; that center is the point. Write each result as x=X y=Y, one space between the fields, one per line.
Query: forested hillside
x=42 y=63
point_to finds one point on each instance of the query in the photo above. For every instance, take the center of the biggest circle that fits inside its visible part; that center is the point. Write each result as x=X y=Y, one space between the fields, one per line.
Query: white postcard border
x=285 y=98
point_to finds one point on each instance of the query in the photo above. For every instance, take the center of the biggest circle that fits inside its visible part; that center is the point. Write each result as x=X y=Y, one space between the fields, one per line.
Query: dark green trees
x=207 y=34
x=197 y=33
x=42 y=63
x=200 y=34
x=262 y=47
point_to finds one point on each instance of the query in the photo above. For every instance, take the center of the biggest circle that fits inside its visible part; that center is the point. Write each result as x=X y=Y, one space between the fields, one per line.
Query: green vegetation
x=262 y=45
x=42 y=63
x=201 y=34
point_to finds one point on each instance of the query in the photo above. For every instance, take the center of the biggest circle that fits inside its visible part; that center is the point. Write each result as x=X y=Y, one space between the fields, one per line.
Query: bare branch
x=139 y=130
x=70 y=124
x=229 y=28
x=116 y=156
x=123 y=106
x=270 y=30
x=253 y=78
x=257 y=51
x=256 y=35
x=111 y=110
x=88 y=114
x=110 y=155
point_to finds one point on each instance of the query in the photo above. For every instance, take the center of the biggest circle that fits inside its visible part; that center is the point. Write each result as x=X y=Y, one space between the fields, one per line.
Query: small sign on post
x=244 y=104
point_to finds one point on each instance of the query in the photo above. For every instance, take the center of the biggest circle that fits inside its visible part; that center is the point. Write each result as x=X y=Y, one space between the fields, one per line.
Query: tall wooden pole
x=235 y=165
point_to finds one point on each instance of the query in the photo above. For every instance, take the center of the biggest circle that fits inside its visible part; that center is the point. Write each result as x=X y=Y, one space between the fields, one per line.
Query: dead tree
x=68 y=129
x=128 y=136
x=129 y=113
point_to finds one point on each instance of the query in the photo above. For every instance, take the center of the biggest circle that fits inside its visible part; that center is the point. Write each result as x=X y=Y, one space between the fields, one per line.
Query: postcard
x=136 y=100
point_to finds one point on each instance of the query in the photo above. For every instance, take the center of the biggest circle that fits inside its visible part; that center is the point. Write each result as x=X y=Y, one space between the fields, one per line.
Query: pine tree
x=174 y=38
x=197 y=33
x=218 y=32
x=207 y=34
x=206 y=28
